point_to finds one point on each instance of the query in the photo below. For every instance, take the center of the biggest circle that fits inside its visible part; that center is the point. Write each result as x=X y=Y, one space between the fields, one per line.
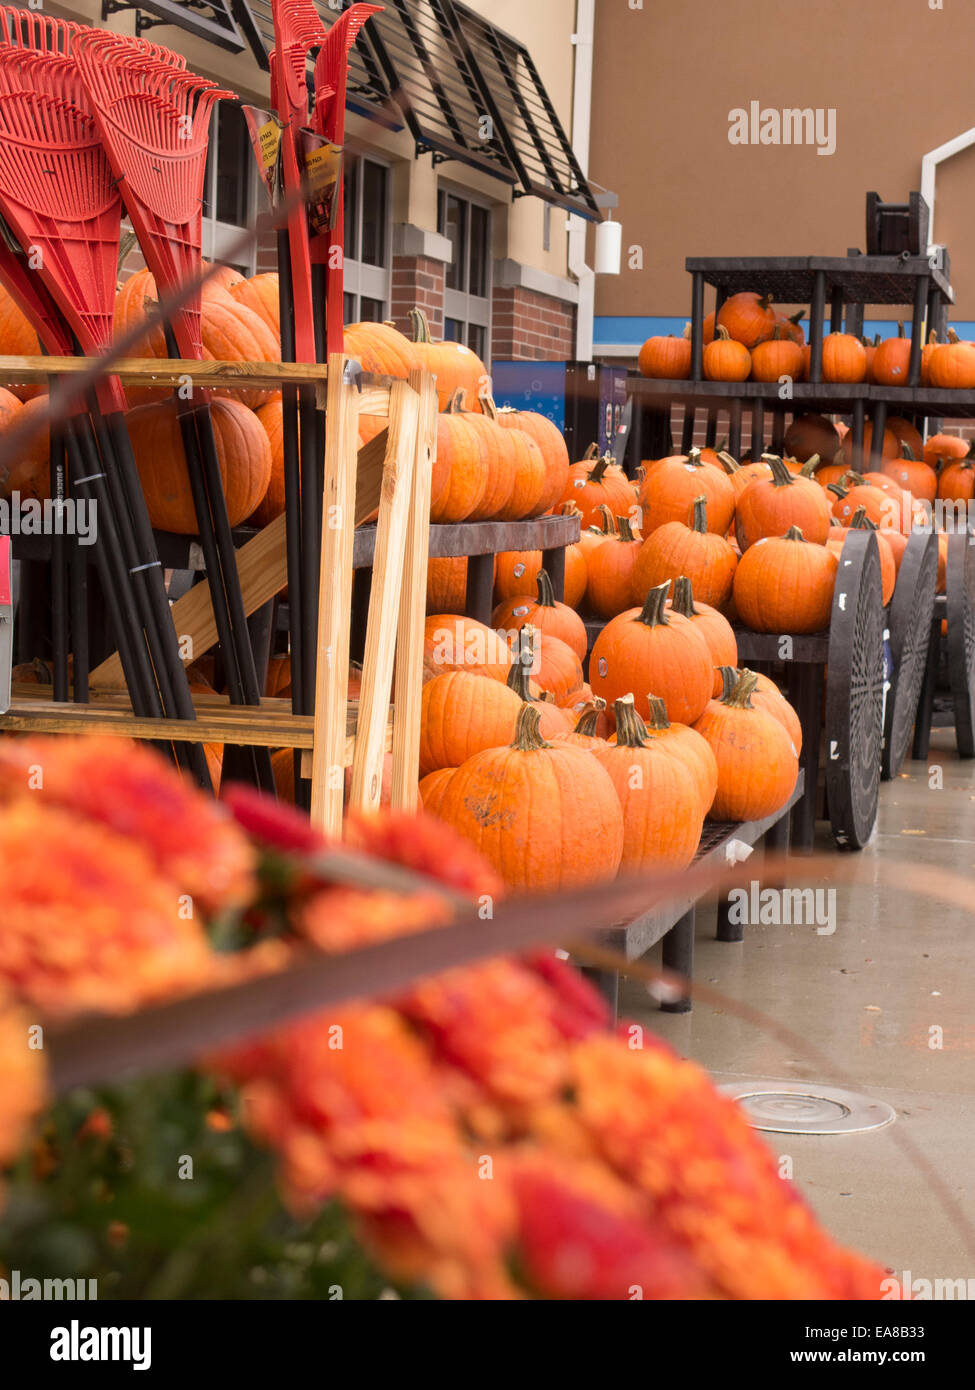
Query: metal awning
x=464 y=89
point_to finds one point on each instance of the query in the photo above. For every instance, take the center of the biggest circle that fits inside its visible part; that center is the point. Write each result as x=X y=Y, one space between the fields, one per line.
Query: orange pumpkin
x=676 y=549
x=712 y=625
x=272 y=504
x=856 y=492
x=844 y=358
x=749 y=318
x=546 y=815
x=906 y=433
x=17 y=339
x=777 y=357
x=585 y=733
x=669 y=492
x=455 y=366
x=943 y=448
x=741 y=474
x=952 y=365
x=260 y=295
x=888 y=567
x=726 y=359
x=811 y=434
x=610 y=571
x=499 y=461
x=596 y=482
x=652 y=649
x=461 y=714
x=661 y=799
x=381 y=348
x=785 y=584
x=556 y=668
x=552 y=719
x=433 y=788
x=757 y=762
x=455 y=643
x=770 y=506
x=462 y=464
x=687 y=746
x=29 y=473
x=666 y=358
x=548 y=437
x=544 y=613
x=892 y=360
x=243 y=453
x=447 y=584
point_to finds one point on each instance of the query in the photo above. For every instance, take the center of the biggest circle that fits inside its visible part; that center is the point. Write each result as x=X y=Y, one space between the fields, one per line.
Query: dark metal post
x=678 y=956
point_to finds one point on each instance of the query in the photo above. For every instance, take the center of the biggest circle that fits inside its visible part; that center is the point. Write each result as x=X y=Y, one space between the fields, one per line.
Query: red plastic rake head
x=297 y=30
x=154 y=120
x=331 y=71
x=32 y=29
x=56 y=189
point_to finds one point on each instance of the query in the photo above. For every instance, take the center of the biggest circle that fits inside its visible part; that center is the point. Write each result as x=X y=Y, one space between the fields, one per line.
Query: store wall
x=896 y=73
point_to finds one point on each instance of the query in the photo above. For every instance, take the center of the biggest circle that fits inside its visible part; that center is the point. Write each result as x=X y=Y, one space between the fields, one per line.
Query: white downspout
x=581 y=119
x=929 y=164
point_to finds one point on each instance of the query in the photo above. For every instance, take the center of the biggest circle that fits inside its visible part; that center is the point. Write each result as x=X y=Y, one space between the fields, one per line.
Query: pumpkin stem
x=589 y=717
x=739 y=697
x=722 y=333
x=729 y=464
x=729 y=679
x=794 y=534
x=953 y=336
x=518 y=675
x=683 y=600
x=859 y=521
x=781 y=477
x=699 y=514
x=421 y=326
x=570 y=509
x=658 y=713
x=808 y=469
x=694 y=457
x=489 y=406
x=624 y=529
x=608 y=527
x=598 y=470
x=932 y=338
x=907 y=452
x=631 y=732
x=852 y=478
x=900 y=328
x=797 y=317
x=455 y=405
x=687 y=332
x=653 y=612
x=591 y=453
x=838 y=488
x=528 y=737
x=546 y=596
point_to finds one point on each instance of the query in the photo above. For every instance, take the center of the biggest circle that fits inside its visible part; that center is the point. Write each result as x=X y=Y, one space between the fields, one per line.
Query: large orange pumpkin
x=272 y=504
x=17 y=339
x=499 y=461
x=610 y=571
x=243 y=453
x=670 y=490
x=455 y=366
x=712 y=625
x=661 y=799
x=674 y=549
x=230 y=331
x=784 y=584
x=768 y=507
x=462 y=457
x=433 y=788
x=260 y=295
x=748 y=317
x=381 y=348
x=447 y=585
x=29 y=473
x=666 y=358
x=548 y=437
x=455 y=643
x=757 y=762
x=595 y=482
x=461 y=714
x=650 y=649
x=546 y=815
x=687 y=746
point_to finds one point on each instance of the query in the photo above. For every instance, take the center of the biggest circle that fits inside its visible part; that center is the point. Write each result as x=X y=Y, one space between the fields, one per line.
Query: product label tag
x=322 y=165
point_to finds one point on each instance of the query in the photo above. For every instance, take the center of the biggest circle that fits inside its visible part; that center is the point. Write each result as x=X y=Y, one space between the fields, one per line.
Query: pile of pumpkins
x=491 y=464
x=561 y=788
x=749 y=340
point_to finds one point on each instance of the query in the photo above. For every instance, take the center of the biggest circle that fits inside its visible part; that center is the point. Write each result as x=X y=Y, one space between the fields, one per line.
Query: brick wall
x=418 y=280
x=527 y=326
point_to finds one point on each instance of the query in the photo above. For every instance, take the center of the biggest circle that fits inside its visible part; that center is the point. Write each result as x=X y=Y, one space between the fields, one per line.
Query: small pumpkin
x=777 y=357
x=687 y=746
x=18 y=339
x=585 y=733
x=952 y=365
x=944 y=448
x=741 y=474
x=757 y=762
x=556 y=669
x=666 y=358
x=455 y=643
x=956 y=481
x=676 y=549
x=653 y=649
x=916 y=478
x=768 y=507
x=461 y=714
x=381 y=348
x=906 y=433
x=725 y=359
x=499 y=460
x=844 y=358
x=546 y=815
x=433 y=788
x=596 y=482
x=544 y=613
x=785 y=585
x=661 y=799
x=712 y=625
x=853 y=492
x=892 y=359
x=769 y=697
x=669 y=492
x=888 y=567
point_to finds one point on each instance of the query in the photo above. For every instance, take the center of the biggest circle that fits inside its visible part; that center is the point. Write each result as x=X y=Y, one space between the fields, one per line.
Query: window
x=229 y=188
x=467 y=284
x=367 y=240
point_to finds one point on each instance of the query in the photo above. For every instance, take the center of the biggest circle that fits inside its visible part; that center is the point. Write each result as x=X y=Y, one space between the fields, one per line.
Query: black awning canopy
x=463 y=88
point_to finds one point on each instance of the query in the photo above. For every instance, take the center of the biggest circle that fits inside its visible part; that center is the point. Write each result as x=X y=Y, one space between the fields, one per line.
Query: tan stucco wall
x=897 y=72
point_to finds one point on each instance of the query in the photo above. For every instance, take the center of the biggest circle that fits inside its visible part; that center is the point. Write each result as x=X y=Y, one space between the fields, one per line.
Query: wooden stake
x=412 y=614
x=384 y=598
x=334 y=598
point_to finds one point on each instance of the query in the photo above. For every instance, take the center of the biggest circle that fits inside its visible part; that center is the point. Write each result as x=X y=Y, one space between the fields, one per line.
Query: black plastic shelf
x=792 y=279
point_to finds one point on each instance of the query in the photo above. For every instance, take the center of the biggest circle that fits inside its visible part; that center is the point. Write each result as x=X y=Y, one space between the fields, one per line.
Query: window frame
x=468 y=309
x=218 y=238
x=361 y=280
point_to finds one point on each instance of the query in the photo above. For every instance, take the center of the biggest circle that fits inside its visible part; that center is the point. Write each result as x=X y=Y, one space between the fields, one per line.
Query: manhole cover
x=784 y=1108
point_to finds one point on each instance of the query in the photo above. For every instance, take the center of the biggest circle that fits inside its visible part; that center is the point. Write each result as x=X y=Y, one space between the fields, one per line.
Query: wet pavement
x=889 y=998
